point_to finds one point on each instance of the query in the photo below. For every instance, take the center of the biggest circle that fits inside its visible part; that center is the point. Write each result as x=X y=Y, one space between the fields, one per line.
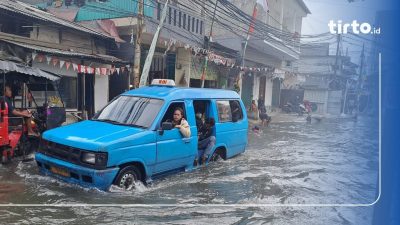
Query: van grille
x=63 y=152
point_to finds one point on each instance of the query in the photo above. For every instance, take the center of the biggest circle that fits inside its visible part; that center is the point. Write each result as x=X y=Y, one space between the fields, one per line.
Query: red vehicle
x=13 y=139
x=38 y=95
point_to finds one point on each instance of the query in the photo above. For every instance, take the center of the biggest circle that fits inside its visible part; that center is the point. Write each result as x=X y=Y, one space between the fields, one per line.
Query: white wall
x=268 y=93
x=183 y=59
x=256 y=87
x=100 y=92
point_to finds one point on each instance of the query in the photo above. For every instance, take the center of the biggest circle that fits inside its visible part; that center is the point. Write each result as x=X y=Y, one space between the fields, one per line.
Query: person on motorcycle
x=15 y=115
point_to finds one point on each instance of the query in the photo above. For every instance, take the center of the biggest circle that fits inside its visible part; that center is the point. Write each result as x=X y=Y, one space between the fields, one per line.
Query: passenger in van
x=236 y=113
x=180 y=122
x=199 y=120
x=206 y=138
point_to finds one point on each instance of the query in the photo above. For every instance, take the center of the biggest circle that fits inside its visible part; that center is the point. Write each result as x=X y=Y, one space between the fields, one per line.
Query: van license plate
x=59 y=171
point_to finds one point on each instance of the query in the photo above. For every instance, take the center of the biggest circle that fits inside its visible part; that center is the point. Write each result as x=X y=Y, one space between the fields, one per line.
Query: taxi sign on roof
x=163 y=82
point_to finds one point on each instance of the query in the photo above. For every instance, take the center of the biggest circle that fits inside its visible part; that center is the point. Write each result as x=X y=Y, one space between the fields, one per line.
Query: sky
x=322 y=11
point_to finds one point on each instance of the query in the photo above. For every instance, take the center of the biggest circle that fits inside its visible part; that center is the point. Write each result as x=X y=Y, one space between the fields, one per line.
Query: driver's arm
x=18 y=113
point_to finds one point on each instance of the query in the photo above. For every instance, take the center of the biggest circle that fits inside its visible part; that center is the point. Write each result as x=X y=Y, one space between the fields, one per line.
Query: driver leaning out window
x=180 y=122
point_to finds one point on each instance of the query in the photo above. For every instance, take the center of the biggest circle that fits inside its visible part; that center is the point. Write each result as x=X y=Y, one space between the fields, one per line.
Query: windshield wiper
x=119 y=123
x=105 y=120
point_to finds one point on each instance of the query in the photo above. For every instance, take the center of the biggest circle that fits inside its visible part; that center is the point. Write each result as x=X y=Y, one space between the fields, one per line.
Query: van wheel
x=128 y=177
x=216 y=156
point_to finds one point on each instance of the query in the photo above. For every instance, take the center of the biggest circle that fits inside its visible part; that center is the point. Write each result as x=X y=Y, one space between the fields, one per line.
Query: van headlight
x=88 y=157
x=98 y=159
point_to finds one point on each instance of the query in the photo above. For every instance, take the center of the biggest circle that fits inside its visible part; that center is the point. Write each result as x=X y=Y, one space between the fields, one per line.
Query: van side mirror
x=167 y=126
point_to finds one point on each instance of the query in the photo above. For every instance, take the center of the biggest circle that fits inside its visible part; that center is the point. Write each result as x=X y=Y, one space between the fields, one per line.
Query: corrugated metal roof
x=33 y=12
x=112 y=9
x=11 y=66
x=106 y=58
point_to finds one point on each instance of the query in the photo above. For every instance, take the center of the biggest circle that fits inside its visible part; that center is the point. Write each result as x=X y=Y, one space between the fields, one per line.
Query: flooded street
x=331 y=162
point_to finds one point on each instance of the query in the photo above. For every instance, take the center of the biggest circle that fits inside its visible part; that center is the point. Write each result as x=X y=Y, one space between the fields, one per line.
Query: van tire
x=127 y=178
x=216 y=156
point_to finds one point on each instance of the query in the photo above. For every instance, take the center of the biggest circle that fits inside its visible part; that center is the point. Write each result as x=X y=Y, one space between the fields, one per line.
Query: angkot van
x=134 y=137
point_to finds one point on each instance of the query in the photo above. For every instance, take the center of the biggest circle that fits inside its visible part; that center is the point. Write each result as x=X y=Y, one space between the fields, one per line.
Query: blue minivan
x=132 y=139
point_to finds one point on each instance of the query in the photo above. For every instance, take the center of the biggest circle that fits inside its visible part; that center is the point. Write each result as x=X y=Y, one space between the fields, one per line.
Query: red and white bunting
x=75 y=67
x=34 y=54
x=97 y=71
x=103 y=71
x=117 y=69
x=67 y=65
x=48 y=58
x=122 y=69
x=54 y=60
x=40 y=58
x=62 y=62
x=90 y=70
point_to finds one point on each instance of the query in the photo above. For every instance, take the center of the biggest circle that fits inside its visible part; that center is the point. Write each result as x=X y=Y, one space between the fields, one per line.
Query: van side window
x=224 y=111
x=229 y=111
x=169 y=114
x=237 y=113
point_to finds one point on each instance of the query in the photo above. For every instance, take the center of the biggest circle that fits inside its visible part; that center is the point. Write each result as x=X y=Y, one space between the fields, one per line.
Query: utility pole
x=134 y=81
x=337 y=56
x=149 y=58
x=360 y=79
x=204 y=73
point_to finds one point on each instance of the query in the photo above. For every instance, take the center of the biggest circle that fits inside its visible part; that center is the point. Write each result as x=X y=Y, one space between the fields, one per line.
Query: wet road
x=331 y=162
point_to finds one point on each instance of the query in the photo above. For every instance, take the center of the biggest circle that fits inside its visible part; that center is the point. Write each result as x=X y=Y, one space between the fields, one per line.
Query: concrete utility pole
x=360 y=79
x=337 y=56
x=149 y=58
x=203 y=75
x=134 y=81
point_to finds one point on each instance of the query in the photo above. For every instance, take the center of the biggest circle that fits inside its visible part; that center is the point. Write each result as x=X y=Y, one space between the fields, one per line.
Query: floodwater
x=334 y=161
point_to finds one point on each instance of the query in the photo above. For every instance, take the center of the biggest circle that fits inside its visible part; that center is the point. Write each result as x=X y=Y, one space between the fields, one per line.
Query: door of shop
x=247 y=89
x=276 y=92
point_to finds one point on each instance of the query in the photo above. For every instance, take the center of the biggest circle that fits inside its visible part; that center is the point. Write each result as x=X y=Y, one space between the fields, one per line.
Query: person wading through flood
x=17 y=116
x=180 y=122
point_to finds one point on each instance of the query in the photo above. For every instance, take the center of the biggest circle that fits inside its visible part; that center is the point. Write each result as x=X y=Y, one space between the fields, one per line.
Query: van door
x=173 y=150
x=231 y=126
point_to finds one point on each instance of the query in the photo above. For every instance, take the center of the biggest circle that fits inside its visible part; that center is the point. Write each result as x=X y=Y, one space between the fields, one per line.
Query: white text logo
x=356 y=28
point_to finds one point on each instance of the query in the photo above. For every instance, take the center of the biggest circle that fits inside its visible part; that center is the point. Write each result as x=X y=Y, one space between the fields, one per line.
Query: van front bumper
x=71 y=173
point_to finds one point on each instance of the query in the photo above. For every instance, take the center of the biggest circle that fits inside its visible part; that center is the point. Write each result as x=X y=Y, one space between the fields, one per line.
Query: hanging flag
x=48 y=58
x=62 y=62
x=97 y=71
x=90 y=70
x=40 y=58
x=79 y=68
x=67 y=65
x=85 y=69
x=252 y=23
x=103 y=71
x=117 y=69
x=75 y=67
x=122 y=69
x=55 y=61
x=264 y=4
x=34 y=54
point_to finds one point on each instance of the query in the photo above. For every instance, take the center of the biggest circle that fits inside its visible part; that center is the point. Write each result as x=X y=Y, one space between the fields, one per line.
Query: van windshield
x=130 y=111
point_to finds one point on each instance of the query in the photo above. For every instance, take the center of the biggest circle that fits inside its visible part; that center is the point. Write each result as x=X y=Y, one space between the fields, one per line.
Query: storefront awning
x=105 y=58
x=8 y=66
